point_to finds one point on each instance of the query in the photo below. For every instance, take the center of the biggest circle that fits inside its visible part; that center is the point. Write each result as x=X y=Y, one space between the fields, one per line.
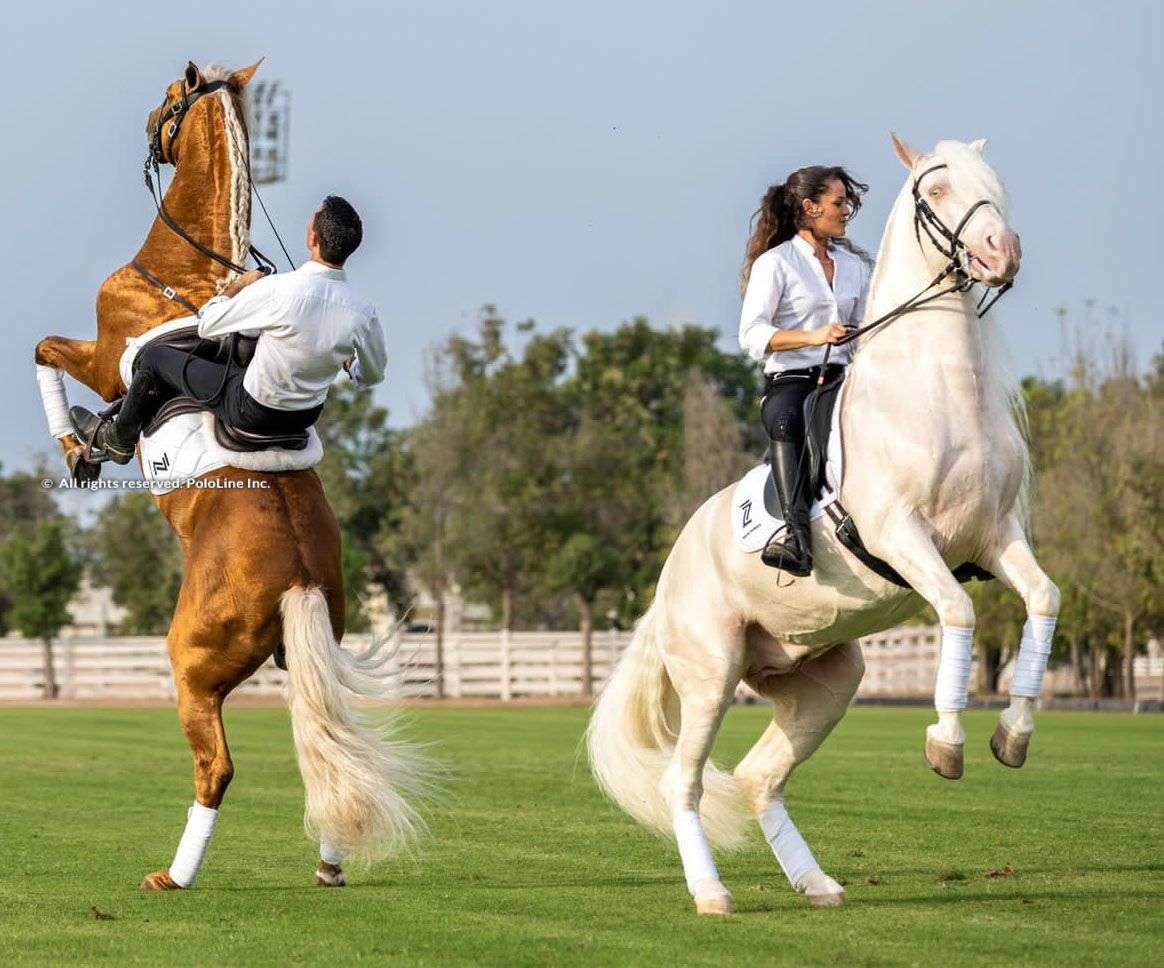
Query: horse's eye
x=936 y=194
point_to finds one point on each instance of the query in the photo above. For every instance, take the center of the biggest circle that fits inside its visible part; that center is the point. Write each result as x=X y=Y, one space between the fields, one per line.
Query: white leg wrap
x=200 y=823
x=791 y=851
x=694 y=850
x=953 y=686
x=329 y=854
x=1031 y=663
x=56 y=404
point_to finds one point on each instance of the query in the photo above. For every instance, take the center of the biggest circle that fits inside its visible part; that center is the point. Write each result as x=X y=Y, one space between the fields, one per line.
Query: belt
x=807 y=373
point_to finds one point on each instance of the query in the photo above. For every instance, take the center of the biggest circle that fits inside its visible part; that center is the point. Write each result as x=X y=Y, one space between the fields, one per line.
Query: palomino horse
x=262 y=564
x=935 y=474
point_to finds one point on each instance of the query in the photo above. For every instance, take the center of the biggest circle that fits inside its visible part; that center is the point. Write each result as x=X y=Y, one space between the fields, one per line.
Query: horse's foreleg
x=56 y=355
x=200 y=709
x=908 y=547
x=807 y=704
x=1015 y=564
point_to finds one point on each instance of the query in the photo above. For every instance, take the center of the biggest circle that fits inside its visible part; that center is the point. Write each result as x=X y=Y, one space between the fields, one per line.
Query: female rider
x=803 y=284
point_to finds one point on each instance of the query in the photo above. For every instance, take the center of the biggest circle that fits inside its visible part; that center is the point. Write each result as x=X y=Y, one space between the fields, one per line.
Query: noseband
x=950 y=245
x=926 y=218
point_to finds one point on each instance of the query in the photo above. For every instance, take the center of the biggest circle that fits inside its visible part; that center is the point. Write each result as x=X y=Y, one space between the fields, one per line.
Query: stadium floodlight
x=269 y=107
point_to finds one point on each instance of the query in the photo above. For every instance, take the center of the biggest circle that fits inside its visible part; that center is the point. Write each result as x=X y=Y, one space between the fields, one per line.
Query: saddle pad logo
x=161 y=466
x=746 y=507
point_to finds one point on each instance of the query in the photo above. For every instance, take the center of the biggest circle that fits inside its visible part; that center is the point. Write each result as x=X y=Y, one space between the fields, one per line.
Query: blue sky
x=584 y=164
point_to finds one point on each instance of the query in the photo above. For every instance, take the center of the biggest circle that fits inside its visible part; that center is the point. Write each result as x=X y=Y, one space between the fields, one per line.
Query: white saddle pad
x=752 y=523
x=184 y=448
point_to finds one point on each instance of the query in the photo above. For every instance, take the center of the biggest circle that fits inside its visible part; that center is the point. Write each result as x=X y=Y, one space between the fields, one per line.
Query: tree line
x=554 y=469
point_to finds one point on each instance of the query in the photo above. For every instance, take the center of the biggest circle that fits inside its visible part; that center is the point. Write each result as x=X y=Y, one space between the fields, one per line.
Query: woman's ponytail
x=772 y=223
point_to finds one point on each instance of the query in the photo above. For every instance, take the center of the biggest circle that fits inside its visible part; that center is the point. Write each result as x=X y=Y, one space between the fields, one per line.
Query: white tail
x=632 y=735
x=361 y=780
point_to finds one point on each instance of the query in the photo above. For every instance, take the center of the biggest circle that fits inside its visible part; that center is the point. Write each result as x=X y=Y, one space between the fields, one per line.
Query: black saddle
x=239 y=350
x=818 y=424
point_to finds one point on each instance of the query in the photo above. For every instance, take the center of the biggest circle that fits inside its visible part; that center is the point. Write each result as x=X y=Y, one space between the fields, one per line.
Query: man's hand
x=243 y=281
x=829 y=334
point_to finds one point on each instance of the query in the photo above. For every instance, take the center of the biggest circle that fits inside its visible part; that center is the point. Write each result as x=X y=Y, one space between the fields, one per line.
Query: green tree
x=41 y=576
x=512 y=419
x=24 y=503
x=631 y=389
x=585 y=565
x=138 y=556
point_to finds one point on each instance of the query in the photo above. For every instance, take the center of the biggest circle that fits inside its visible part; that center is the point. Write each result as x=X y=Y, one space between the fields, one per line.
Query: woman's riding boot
x=790 y=551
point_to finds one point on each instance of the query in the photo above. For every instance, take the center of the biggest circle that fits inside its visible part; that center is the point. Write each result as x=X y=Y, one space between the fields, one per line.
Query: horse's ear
x=242 y=77
x=978 y=145
x=194 y=78
x=908 y=155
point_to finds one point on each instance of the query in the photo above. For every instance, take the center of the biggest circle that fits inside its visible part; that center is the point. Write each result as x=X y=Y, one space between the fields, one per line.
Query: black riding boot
x=791 y=551
x=101 y=438
x=115 y=438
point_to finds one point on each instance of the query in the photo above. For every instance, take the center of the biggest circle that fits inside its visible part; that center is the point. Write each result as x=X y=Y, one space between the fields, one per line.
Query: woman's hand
x=829 y=334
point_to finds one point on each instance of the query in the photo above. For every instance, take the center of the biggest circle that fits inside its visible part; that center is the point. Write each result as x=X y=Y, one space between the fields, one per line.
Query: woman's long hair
x=782 y=208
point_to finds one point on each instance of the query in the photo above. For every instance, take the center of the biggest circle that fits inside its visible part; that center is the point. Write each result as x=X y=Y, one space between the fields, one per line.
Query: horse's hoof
x=945 y=759
x=160 y=881
x=1010 y=749
x=329 y=875
x=712 y=898
x=820 y=890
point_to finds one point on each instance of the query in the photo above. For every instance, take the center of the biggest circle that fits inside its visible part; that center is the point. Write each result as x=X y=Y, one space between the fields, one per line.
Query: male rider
x=309 y=324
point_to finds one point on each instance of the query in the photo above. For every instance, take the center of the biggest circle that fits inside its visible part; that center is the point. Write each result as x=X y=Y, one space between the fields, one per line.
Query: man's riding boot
x=792 y=550
x=101 y=437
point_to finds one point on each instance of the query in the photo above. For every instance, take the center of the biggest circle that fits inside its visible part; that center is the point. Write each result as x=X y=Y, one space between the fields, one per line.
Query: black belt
x=831 y=370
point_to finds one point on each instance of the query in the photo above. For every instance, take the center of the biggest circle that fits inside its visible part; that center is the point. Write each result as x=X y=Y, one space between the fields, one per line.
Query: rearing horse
x=262 y=562
x=935 y=474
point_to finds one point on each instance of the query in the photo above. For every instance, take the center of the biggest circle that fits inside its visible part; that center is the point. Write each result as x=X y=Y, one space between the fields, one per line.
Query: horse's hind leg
x=203 y=680
x=1015 y=564
x=806 y=705
x=705 y=693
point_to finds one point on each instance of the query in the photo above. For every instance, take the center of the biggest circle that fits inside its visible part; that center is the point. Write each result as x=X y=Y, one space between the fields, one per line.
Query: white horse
x=935 y=473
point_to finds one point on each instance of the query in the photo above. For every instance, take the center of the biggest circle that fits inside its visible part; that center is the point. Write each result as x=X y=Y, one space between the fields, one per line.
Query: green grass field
x=528 y=865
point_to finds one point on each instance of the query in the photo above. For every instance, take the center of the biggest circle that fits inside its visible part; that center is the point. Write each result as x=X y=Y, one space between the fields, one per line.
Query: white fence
x=486 y=665
x=900 y=663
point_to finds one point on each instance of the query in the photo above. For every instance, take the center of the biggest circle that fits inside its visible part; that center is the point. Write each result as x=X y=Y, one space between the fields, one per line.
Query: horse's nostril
x=990 y=243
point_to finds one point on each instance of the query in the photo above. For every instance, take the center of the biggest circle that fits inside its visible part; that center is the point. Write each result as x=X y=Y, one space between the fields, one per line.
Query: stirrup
x=777 y=554
x=92 y=453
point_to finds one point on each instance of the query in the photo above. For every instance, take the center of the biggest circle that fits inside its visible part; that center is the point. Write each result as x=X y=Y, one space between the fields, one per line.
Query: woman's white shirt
x=787 y=290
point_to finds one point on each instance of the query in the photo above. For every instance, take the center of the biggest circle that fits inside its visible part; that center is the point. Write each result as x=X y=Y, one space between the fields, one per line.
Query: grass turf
x=528 y=865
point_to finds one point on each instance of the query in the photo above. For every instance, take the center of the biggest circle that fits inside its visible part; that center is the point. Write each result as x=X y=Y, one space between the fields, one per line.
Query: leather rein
x=949 y=244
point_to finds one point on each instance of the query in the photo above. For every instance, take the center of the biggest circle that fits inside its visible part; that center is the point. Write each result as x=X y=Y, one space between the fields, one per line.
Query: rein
x=924 y=217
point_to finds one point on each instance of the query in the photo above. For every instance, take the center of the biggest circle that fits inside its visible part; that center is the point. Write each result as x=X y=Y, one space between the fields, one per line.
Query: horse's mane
x=234 y=104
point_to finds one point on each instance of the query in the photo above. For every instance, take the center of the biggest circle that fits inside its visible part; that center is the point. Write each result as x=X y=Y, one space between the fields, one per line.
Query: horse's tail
x=631 y=737
x=361 y=781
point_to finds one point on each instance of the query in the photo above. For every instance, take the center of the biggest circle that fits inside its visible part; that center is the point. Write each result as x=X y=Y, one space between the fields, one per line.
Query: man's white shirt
x=787 y=290
x=309 y=322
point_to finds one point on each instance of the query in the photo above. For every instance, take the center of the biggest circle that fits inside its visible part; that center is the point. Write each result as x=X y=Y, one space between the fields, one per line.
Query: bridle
x=170 y=118
x=950 y=245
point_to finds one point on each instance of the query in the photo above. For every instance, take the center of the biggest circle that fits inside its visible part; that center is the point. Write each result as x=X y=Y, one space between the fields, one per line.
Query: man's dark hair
x=339 y=230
